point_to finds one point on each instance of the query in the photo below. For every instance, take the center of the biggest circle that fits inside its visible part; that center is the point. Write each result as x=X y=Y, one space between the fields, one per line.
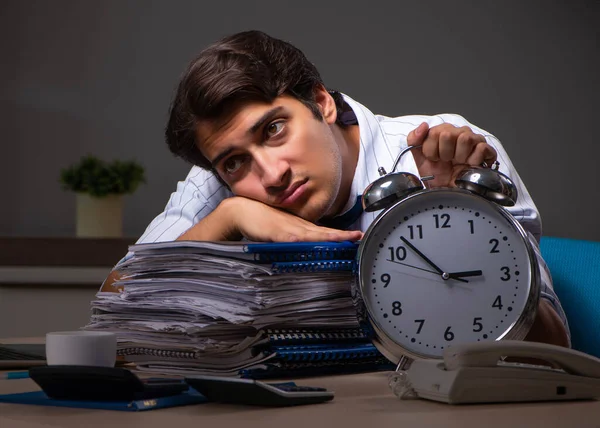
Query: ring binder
x=331 y=254
x=314 y=266
x=153 y=352
x=303 y=251
x=324 y=352
x=296 y=336
x=285 y=369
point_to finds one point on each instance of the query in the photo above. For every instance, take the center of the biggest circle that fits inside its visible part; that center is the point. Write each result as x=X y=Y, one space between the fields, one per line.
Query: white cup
x=81 y=348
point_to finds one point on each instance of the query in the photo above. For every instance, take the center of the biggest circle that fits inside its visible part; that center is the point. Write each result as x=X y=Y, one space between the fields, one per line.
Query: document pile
x=238 y=309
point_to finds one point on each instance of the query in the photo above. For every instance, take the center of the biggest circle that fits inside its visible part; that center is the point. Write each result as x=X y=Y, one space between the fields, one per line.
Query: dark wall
x=97 y=77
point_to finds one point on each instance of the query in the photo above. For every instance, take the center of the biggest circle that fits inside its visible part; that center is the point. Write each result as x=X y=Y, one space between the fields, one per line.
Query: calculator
x=257 y=393
x=101 y=384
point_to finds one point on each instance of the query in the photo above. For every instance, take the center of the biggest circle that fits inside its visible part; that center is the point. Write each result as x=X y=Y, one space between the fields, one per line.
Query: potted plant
x=100 y=187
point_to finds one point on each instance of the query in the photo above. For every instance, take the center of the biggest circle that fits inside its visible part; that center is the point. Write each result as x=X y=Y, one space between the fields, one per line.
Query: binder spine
x=307 y=256
x=160 y=353
x=306 y=336
x=325 y=352
x=316 y=266
x=285 y=369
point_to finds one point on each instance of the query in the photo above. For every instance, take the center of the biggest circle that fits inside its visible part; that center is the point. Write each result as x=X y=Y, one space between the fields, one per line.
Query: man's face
x=279 y=154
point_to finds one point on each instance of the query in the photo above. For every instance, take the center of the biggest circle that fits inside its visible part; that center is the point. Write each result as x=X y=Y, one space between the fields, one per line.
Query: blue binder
x=316 y=352
x=261 y=252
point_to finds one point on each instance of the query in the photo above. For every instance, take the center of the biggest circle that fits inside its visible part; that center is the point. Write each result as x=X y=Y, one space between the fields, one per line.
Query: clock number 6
x=448 y=335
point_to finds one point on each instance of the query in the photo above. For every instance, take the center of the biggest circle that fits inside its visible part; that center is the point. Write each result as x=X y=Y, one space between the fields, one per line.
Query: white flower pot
x=99 y=217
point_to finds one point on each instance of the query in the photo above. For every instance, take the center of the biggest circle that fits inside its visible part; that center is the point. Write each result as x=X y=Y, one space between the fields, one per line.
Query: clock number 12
x=444 y=223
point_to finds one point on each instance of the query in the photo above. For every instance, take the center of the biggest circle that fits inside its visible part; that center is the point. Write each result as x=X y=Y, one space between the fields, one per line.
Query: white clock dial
x=444 y=267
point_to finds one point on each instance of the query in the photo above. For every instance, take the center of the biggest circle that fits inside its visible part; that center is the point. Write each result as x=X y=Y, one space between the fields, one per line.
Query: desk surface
x=362 y=400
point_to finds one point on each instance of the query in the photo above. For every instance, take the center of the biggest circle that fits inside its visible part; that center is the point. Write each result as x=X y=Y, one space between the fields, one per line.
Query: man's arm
x=550 y=324
x=548 y=327
x=237 y=217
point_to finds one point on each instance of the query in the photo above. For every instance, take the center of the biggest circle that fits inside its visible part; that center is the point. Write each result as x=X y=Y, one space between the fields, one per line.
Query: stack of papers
x=191 y=307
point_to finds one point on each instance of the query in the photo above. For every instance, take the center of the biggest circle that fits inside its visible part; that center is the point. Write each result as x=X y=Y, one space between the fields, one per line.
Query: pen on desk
x=14 y=375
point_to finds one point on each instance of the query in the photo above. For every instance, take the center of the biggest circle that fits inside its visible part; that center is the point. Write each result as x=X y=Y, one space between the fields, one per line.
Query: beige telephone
x=477 y=373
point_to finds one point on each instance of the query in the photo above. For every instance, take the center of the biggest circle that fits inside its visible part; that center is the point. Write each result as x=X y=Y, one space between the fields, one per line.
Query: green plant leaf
x=98 y=178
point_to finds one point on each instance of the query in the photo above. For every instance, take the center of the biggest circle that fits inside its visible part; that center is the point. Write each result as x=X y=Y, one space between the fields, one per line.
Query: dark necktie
x=347 y=219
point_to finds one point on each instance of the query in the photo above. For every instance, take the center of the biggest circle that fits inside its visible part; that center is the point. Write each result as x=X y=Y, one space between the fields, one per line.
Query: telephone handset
x=479 y=354
x=477 y=373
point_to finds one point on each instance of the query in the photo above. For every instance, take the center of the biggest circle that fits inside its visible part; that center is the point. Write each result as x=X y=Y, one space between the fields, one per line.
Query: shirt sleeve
x=547 y=287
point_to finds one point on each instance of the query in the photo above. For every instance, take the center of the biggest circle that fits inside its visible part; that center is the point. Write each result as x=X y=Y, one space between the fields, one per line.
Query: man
x=280 y=158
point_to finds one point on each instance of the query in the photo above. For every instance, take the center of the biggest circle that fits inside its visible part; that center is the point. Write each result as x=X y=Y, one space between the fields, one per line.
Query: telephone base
x=504 y=383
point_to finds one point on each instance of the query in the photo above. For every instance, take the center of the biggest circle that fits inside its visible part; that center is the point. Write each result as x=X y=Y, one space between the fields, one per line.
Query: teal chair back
x=575 y=268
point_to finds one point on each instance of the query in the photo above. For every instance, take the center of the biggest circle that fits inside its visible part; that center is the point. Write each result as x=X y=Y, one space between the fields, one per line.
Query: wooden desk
x=362 y=401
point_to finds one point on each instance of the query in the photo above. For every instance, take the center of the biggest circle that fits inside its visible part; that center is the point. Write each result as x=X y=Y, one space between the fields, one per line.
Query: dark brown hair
x=250 y=66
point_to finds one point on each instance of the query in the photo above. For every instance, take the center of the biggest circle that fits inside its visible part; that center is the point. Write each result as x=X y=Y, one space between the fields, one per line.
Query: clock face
x=444 y=267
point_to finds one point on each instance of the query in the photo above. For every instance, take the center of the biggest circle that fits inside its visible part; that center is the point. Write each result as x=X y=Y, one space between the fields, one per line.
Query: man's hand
x=239 y=217
x=108 y=286
x=447 y=150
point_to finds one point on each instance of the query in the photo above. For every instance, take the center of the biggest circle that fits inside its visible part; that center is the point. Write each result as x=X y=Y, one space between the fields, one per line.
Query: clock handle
x=391 y=187
x=487 y=354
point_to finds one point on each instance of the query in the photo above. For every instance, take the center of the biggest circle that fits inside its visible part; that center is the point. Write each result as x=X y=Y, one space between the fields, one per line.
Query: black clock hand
x=455 y=275
x=429 y=262
x=423 y=256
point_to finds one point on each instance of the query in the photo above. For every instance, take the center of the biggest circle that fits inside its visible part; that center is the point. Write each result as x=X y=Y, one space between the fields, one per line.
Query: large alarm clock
x=444 y=266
